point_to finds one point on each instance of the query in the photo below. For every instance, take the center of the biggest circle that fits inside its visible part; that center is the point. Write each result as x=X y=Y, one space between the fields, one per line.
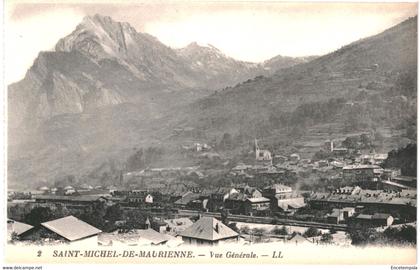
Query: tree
x=405 y=234
x=280 y=230
x=14 y=237
x=351 y=142
x=39 y=215
x=94 y=216
x=224 y=214
x=362 y=235
x=326 y=238
x=233 y=226
x=245 y=230
x=311 y=232
x=113 y=213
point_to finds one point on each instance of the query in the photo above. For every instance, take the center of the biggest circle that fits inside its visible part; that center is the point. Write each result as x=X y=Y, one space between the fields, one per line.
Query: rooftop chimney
x=217 y=228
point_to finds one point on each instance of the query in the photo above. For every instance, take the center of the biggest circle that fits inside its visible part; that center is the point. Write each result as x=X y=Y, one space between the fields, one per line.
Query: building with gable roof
x=208 y=231
x=66 y=229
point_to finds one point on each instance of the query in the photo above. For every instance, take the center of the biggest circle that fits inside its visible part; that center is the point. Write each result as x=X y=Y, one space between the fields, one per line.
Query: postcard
x=210 y=132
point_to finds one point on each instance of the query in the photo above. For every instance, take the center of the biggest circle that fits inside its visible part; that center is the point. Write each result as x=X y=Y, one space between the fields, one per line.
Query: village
x=262 y=201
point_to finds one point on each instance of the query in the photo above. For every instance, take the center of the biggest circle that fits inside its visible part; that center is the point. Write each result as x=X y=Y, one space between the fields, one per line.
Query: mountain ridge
x=269 y=105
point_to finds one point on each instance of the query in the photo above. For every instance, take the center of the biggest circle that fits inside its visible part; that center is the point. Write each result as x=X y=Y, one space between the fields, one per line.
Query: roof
x=360 y=166
x=405 y=197
x=84 y=198
x=257 y=200
x=279 y=188
x=71 y=228
x=335 y=213
x=136 y=236
x=297 y=238
x=17 y=227
x=225 y=190
x=405 y=178
x=188 y=197
x=396 y=184
x=237 y=197
x=179 y=222
x=381 y=216
x=209 y=228
x=363 y=216
x=286 y=204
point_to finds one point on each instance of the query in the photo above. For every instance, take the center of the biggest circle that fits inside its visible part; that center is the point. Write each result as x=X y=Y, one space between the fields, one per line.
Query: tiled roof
x=209 y=228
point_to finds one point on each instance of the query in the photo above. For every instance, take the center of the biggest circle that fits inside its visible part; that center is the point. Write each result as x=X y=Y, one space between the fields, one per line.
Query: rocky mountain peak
x=99 y=37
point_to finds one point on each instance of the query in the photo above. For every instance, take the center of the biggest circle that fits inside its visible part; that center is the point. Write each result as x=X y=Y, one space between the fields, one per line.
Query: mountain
x=280 y=62
x=100 y=90
x=95 y=102
x=218 y=68
x=76 y=76
x=376 y=74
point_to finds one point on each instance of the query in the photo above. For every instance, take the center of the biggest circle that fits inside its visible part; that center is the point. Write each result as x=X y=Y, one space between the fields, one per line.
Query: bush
x=280 y=230
x=311 y=232
x=326 y=238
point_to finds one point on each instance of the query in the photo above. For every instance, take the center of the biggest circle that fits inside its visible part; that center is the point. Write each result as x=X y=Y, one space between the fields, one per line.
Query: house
x=139 y=197
x=340 y=151
x=44 y=189
x=359 y=172
x=16 y=229
x=339 y=215
x=287 y=202
x=375 y=201
x=208 y=231
x=158 y=225
x=323 y=163
x=177 y=225
x=136 y=237
x=380 y=219
x=252 y=192
x=337 y=164
x=272 y=190
x=294 y=158
x=298 y=239
x=218 y=197
x=374 y=159
x=67 y=229
x=72 y=201
x=236 y=203
x=256 y=206
x=261 y=155
x=279 y=159
x=394 y=186
x=410 y=181
x=185 y=199
x=389 y=174
x=375 y=220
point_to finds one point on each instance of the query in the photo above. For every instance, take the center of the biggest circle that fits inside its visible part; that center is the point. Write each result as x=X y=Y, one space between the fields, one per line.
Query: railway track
x=266 y=220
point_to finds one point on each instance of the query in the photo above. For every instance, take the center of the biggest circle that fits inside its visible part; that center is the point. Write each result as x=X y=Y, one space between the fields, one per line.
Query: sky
x=248 y=31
